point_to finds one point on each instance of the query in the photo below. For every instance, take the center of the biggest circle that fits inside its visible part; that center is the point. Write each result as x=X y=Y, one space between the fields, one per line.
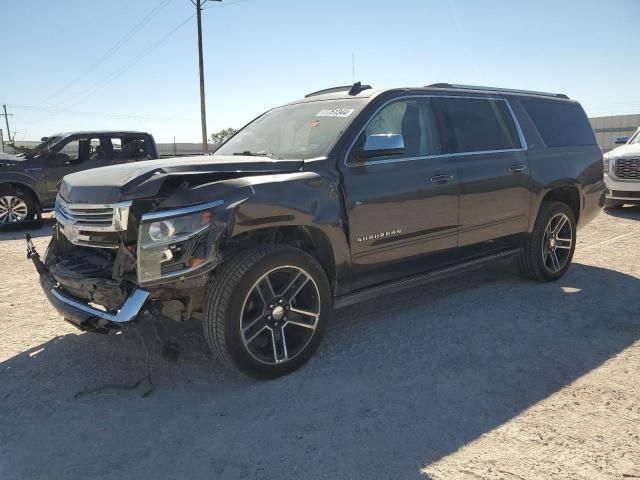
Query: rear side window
x=561 y=124
x=474 y=125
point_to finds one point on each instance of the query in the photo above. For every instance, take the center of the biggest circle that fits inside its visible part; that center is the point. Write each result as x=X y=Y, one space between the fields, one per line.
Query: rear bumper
x=628 y=190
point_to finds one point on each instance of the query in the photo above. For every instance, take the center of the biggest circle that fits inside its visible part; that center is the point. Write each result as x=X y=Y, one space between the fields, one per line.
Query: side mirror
x=621 y=140
x=44 y=139
x=382 y=145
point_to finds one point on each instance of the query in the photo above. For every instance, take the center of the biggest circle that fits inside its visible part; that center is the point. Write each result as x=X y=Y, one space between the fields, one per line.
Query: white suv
x=622 y=172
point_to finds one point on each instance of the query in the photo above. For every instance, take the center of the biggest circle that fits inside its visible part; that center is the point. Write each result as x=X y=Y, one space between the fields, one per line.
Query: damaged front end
x=108 y=263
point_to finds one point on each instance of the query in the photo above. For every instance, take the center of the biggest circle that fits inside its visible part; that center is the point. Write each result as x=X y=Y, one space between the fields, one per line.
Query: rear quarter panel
x=577 y=166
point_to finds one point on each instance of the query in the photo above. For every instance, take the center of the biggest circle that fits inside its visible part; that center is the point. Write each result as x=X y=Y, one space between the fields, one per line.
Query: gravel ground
x=481 y=376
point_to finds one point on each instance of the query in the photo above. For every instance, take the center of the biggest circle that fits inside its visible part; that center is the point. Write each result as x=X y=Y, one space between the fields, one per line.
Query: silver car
x=622 y=172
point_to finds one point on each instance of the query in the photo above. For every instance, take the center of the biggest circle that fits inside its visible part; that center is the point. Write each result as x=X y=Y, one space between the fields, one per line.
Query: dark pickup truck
x=29 y=180
x=347 y=194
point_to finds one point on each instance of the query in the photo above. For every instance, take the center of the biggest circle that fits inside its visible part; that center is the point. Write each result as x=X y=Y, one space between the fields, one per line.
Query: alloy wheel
x=280 y=315
x=557 y=243
x=12 y=209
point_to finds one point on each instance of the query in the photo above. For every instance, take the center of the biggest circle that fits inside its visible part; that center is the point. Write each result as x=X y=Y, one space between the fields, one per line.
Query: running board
x=387 y=288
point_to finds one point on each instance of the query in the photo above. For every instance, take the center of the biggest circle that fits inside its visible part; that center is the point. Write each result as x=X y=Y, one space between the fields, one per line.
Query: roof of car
x=348 y=92
x=99 y=132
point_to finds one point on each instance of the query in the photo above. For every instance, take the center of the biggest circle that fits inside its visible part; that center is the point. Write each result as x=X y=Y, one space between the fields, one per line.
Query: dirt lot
x=482 y=376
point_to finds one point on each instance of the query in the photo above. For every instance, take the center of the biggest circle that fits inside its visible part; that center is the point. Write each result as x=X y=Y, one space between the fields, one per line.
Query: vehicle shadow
x=11 y=232
x=398 y=384
x=628 y=211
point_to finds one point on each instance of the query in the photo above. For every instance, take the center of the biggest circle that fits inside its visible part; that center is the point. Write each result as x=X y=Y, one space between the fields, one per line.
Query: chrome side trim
x=521 y=137
x=127 y=313
x=180 y=211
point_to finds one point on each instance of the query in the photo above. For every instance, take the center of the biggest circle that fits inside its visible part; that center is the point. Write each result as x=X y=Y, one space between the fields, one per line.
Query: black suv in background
x=347 y=194
x=29 y=180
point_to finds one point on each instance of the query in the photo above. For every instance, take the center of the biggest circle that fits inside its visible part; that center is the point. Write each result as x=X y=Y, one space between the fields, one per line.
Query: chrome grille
x=627 y=168
x=85 y=215
x=92 y=225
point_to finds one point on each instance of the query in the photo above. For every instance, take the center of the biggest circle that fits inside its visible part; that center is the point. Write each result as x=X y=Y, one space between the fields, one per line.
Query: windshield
x=636 y=138
x=47 y=144
x=301 y=131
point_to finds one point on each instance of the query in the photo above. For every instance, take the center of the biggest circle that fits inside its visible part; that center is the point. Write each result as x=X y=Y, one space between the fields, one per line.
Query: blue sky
x=261 y=53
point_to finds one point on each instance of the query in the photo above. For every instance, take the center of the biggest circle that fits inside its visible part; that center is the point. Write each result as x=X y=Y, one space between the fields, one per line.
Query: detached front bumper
x=80 y=313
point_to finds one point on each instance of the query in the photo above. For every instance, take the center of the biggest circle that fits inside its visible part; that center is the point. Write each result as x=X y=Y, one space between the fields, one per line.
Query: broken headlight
x=174 y=243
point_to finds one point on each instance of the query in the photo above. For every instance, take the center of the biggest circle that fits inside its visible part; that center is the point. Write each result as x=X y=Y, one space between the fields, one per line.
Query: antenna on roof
x=353 y=68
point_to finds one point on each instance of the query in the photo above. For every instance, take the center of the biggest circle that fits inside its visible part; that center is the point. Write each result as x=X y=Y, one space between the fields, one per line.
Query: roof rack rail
x=354 y=89
x=495 y=89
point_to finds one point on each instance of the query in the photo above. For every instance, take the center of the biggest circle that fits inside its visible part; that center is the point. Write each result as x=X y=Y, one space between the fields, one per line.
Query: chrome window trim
x=180 y=211
x=521 y=137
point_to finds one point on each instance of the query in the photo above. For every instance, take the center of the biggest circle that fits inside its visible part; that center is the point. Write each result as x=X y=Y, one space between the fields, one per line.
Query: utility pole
x=6 y=118
x=203 y=111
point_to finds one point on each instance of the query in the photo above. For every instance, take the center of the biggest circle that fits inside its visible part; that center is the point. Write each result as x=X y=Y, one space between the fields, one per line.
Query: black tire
x=235 y=286
x=535 y=259
x=611 y=204
x=9 y=192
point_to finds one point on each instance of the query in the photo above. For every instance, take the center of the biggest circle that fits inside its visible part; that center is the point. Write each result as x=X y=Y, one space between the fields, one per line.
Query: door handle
x=517 y=168
x=440 y=179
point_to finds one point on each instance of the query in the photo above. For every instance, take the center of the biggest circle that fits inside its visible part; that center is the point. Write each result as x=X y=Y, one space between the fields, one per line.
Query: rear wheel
x=16 y=205
x=267 y=310
x=549 y=250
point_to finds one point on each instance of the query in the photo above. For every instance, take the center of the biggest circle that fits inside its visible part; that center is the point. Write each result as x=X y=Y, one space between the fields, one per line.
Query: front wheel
x=267 y=310
x=549 y=250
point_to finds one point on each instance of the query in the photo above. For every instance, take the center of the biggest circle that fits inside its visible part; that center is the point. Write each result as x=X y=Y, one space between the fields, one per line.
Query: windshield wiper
x=248 y=153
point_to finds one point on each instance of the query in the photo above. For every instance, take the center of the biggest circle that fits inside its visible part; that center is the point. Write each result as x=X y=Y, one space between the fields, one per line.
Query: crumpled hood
x=144 y=179
x=624 y=151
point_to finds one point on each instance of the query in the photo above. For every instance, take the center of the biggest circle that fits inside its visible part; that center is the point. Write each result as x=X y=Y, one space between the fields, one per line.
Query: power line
x=226 y=4
x=135 y=29
x=101 y=114
x=118 y=72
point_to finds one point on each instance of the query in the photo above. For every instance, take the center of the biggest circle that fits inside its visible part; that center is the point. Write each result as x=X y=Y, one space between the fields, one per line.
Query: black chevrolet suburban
x=29 y=180
x=347 y=194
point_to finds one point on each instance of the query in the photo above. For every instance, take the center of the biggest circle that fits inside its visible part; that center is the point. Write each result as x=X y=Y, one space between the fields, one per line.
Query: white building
x=609 y=128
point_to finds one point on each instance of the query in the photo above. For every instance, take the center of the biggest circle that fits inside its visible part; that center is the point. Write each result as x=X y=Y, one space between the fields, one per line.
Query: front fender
x=28 y=181
x=300 y=199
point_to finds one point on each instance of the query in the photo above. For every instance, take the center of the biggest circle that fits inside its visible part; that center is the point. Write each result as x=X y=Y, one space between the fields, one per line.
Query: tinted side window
x=127 y=148
x=560 y=123
x=474 y=125
x=81 y=149
x=413 y=119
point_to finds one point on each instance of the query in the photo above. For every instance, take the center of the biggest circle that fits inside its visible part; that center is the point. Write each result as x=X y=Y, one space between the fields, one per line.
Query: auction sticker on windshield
x=335 y=112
